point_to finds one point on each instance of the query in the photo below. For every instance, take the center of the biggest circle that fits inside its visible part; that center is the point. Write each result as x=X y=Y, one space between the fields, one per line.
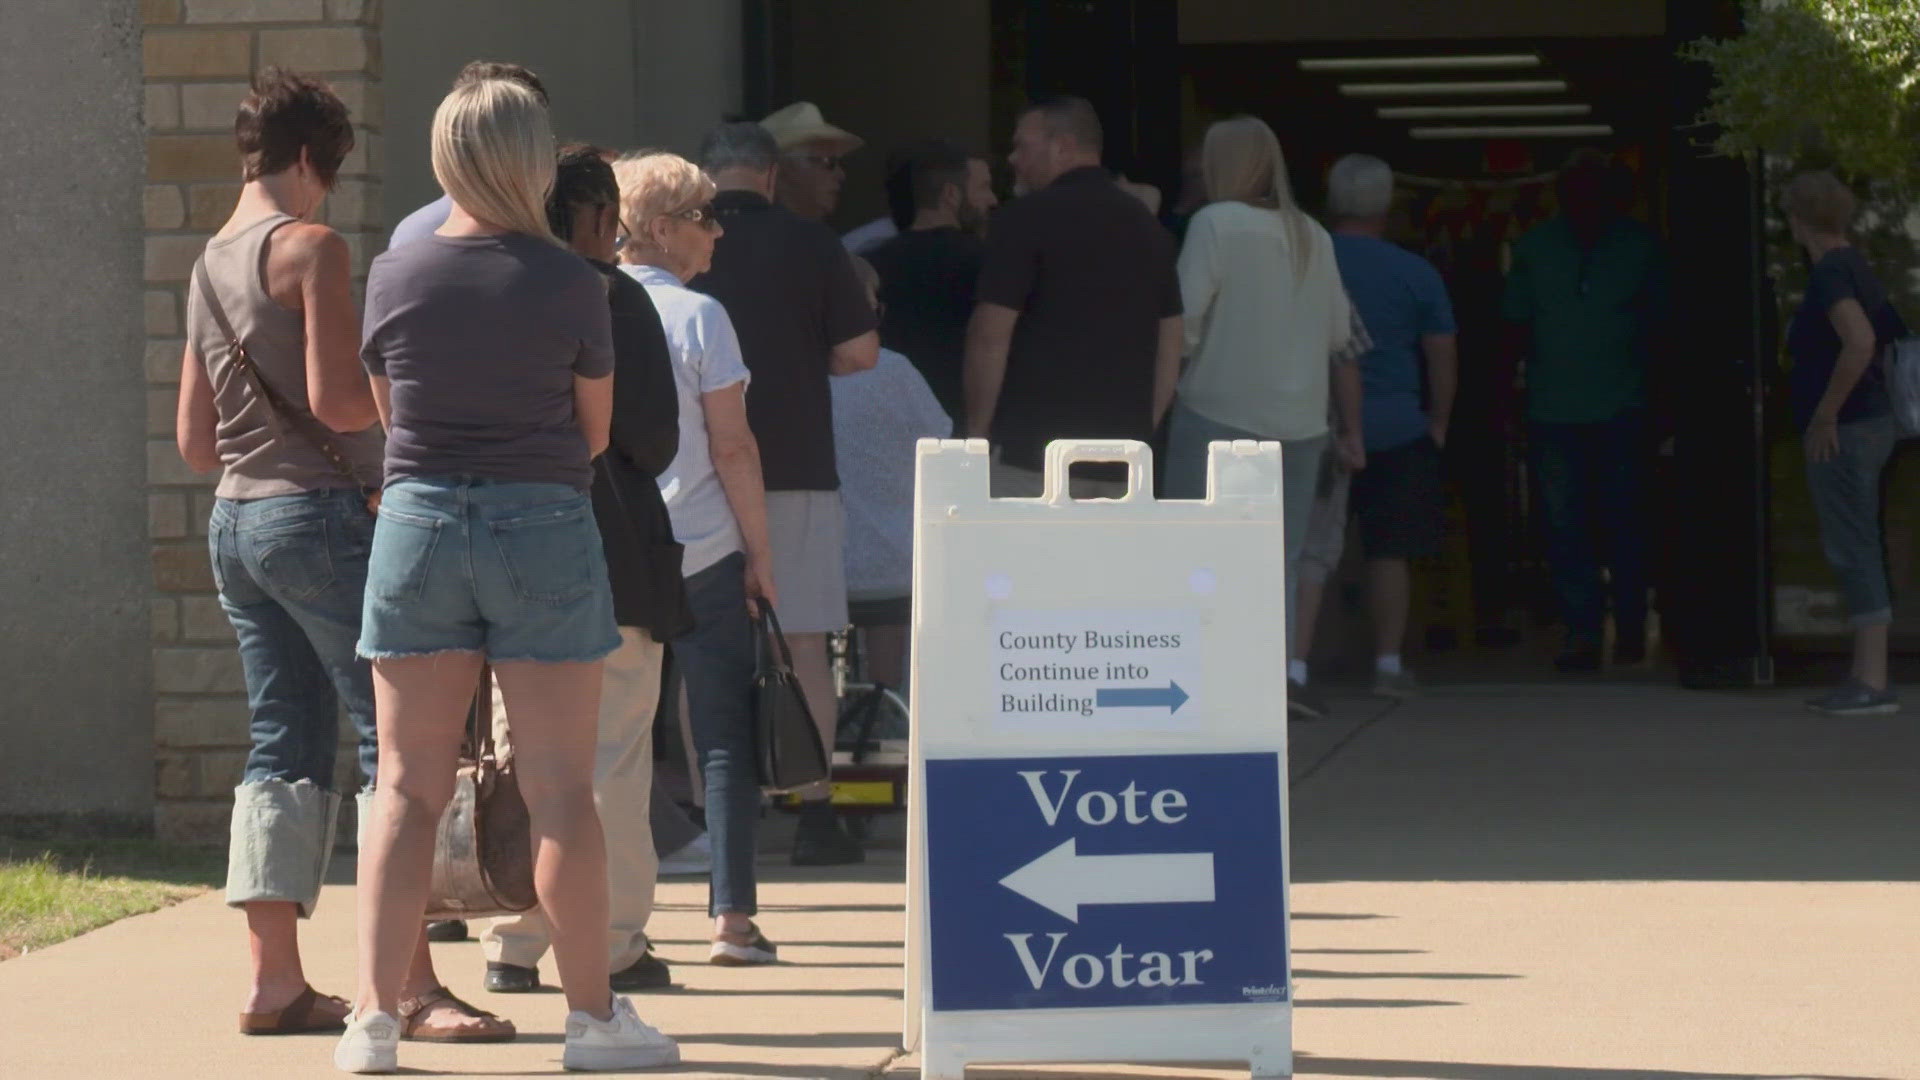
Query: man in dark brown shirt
x=1077 y=332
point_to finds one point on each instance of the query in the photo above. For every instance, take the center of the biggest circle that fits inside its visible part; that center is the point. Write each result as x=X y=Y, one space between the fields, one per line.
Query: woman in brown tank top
x=290 y=530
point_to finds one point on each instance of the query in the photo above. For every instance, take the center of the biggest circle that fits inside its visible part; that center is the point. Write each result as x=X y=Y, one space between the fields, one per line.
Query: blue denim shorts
x=465 y=564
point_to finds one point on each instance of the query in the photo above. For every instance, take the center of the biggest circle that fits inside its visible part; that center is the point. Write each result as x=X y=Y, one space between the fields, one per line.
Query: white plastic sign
x=1098 y=853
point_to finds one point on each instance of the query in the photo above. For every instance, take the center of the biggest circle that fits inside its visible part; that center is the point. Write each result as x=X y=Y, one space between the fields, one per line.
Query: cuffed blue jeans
x=1846 y=499
x=291 y=571
x=715 y=659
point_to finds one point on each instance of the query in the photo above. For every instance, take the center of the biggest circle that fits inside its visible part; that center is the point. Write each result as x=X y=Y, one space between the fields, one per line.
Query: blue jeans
x=1188 y=434
x=468 y=564
x=1593 y=490
x=715 y=659
x=290 y=571
x=1846 y=499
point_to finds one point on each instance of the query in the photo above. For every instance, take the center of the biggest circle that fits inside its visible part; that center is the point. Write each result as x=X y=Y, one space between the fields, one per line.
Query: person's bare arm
x=1443 y=380
x=1856 y=355
x=196 y=419
x=382 y=399
x=855 y=355
x=1352 y=445
x=337 y=390
x=989 y=338
x=1166 y=365
x=593 y=410
x=736 y=459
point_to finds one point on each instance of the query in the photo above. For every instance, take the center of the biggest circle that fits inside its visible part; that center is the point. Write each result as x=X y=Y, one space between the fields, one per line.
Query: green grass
x=52 y=890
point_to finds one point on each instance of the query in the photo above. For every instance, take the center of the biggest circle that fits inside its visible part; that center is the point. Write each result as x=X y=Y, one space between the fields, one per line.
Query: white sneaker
x=623 y=1042
x=754 y=951
x=371 y=1044
x=693 y=860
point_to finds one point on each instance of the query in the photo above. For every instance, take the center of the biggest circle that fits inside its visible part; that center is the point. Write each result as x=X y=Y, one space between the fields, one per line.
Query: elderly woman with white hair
x=1264 y=314
x=1398 y=499
x=490 y=348
x=717 y=500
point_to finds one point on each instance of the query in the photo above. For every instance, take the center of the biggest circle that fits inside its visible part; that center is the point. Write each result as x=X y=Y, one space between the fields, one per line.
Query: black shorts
x=1398 y=499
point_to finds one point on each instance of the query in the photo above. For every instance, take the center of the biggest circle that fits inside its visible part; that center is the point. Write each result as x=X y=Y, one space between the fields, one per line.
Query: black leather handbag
x=788 y=755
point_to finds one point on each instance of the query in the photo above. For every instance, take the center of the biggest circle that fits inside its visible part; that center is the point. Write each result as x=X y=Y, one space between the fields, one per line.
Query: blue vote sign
x=1081 y=882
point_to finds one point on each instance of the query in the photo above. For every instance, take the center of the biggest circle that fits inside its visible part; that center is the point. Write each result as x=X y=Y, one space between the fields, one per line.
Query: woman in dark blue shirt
x=1840 y=404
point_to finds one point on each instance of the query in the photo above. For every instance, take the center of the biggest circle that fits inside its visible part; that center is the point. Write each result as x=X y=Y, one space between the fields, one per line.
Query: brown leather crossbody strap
x=279 y=408
x=480 y=717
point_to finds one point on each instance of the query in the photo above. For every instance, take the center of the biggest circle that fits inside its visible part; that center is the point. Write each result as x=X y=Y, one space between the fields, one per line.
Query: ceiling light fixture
x=1420 y=63
x=1450 y=89
x=1474 y=112
x=1515 y=131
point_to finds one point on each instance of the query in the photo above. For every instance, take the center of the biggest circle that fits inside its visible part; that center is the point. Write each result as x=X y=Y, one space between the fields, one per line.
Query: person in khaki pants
x=650 y=603
x=622 y=788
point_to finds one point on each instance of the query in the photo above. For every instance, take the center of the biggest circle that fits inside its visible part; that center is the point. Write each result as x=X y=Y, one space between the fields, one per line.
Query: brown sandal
x=298 y=1018
x=495 y=1030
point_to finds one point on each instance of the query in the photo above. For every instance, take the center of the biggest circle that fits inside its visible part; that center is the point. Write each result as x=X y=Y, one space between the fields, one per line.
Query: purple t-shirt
x=480 y=337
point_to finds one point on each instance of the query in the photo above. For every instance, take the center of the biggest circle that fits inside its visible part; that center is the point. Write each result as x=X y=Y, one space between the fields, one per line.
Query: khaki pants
x=622 y=786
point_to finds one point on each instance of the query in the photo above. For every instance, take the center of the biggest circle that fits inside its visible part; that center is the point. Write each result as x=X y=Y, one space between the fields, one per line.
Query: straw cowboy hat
x=801 y=122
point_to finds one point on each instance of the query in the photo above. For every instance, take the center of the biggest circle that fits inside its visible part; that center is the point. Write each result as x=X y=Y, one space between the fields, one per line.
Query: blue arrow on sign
x=1170 y=697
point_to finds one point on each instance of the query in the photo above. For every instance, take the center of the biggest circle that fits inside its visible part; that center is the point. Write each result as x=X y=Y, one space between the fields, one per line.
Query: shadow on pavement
x=1307 y=973
x=884 y=1040
x=1306 y=1064
x=810 y=943
x=1611 y=783
x=1359 y=952
x=1372 y=1003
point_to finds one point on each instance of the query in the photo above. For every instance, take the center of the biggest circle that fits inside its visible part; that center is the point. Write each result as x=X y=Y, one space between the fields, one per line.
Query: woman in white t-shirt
x=1264 y=310
x=715 y=496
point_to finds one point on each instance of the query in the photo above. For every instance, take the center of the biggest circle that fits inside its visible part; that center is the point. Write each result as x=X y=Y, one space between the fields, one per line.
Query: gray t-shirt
x=480 y=337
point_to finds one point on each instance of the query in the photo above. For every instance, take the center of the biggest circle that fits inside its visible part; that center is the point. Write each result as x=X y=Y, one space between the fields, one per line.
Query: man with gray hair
x=802 y=316
x=1398 y=498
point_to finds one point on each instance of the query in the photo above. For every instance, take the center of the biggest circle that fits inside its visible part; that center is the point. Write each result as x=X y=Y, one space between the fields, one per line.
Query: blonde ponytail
x=493 y=154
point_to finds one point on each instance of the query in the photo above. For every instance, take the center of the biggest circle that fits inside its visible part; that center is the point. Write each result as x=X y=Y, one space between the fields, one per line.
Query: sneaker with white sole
x=751 y=951
x=1856 y=698
x=623 y=1041
x=371 y=1044
x=693 y=860
x=1398 y=685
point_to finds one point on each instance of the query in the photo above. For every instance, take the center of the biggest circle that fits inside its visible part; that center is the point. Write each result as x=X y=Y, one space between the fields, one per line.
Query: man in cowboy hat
x=810 y=151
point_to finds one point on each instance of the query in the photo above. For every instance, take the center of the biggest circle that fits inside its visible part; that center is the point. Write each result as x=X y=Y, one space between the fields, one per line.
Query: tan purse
x=483 y=853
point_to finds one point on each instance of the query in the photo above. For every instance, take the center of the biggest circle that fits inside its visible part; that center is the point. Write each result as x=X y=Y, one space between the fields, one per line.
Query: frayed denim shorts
x=507 y=568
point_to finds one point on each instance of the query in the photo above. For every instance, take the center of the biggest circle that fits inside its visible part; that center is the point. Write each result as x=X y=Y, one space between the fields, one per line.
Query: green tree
x=1831 y=83
x=1827 y=84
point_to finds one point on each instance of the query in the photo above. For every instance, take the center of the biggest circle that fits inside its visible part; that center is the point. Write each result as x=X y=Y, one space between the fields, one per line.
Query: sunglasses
x=699 y=215
x=823 y=162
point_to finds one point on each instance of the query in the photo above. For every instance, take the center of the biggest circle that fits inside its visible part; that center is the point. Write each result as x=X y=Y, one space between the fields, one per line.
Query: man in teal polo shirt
x=1589 y=290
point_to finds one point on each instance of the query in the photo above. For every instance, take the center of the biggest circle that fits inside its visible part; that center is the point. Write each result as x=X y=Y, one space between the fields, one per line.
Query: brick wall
x=198 y=55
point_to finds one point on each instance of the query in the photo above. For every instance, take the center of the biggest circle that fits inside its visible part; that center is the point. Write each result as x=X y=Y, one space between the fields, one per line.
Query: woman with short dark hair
x=272 y=395
x=1840 y=404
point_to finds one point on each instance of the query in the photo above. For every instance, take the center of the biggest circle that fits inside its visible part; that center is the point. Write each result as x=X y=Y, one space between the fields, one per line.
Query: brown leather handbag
x=483 y=854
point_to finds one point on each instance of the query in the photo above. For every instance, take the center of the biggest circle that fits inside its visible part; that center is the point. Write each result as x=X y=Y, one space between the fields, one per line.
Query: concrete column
x=76 y=723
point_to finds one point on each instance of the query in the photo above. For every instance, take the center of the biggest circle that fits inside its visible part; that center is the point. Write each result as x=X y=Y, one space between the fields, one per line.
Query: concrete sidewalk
x=1503 y=883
